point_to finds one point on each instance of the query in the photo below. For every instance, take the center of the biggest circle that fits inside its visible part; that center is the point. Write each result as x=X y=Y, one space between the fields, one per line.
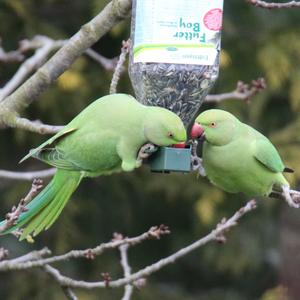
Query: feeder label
x=177 y=31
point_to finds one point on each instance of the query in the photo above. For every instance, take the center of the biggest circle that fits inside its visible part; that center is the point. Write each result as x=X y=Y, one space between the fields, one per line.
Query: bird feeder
x=175 y=51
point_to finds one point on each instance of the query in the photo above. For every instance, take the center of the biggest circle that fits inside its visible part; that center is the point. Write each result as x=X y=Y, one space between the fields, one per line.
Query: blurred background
x=261 y=257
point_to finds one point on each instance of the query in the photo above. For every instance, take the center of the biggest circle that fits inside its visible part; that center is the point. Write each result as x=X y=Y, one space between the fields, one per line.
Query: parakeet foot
x=145 y=151
x=196 y=161
x=295 y=196
x=288 y=196
x=197 y=165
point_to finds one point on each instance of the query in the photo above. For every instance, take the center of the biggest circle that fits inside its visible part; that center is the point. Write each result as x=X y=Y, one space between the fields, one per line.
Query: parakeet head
x=217 y=125
x=163 y=128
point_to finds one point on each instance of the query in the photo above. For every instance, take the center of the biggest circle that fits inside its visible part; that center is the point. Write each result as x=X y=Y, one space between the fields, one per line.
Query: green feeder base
x=168 y=159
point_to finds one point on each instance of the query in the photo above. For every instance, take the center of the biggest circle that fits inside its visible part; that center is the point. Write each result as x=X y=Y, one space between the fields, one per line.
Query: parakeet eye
x=170 y=134
x=212 y=124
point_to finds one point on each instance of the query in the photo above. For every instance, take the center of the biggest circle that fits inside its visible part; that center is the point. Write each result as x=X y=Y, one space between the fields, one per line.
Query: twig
x=12 y=56
x=272 y=5
x=47 y=45
x=27 y=175
x=35 y=126
x=69 y=293
x=292 y=197
x=80 y=42
x=127 y=271
x=154 y=232
x=242 y=92
x=43 y=46
x=108 y=64
x=119 y=67
x=31 y=256
x=215 y=235
x=12 y=217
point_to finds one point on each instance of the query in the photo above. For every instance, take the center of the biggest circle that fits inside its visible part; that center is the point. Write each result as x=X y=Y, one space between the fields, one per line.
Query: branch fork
x=13 y=216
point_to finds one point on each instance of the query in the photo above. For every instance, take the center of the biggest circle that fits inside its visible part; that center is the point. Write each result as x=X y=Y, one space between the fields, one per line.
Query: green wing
x=56 y=158
x=49 y=143
x=47 y=152
x=267 y=154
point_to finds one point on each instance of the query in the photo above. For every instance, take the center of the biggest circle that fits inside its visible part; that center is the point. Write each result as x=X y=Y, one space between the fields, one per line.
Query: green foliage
x=256 y=43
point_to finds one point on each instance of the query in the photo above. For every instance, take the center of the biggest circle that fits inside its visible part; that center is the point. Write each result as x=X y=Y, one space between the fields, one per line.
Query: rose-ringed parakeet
x=104 y=138
x=237 y=158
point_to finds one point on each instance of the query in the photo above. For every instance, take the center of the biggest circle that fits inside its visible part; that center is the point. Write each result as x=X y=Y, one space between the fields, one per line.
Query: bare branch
x=34 y=126
x=31 y=64
x=242 y=92
x=31 y=256
x=155 y=232
x=108 y=64
x=292 y=197
x=43 y=46
x=80 y=42
x=127 y=271
x=69 y=293
x=273 y=5
x=12 y=56
x=120 y=67
x=214 y=235
x=30 y=175
x=13 y=216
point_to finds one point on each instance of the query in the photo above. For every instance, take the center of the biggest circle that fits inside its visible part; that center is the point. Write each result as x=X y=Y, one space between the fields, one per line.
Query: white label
x=177 y=31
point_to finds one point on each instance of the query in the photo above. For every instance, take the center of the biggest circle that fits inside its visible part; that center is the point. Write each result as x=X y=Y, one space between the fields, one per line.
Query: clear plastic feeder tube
x=175 y=51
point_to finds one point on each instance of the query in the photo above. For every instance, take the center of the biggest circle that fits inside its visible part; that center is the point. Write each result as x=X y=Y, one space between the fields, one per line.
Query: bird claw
x=197 y=165
x=291 y=196
x=196 y=161
x=146 y=150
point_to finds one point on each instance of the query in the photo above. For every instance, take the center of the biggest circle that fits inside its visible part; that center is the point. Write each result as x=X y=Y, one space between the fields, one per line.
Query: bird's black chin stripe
x=288 y=170
x=202 y=138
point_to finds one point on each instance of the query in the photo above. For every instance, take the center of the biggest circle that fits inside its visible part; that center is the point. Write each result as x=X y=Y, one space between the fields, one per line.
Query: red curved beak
x=196 y=131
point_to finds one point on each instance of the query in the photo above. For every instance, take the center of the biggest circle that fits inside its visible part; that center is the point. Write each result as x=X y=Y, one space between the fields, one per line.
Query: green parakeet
x=237 y=158
x=103 y=139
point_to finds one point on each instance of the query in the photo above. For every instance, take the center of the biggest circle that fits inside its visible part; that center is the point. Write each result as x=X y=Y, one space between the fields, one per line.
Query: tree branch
x=242 y=92
x=31 y=256
x=3 y=253
x=108 y=64
x=43 y=46
x=155 y=232
x=63 y=58
x=13 y=216
x=12 y=56
x=69 y=293
x=273 y=5
x=120 y=67
x=127 y=271
x=34 y=126
x=27 y=175
x=46 y=45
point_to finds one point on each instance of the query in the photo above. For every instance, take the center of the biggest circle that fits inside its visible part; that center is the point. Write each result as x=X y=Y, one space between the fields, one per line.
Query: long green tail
x=45 y=208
